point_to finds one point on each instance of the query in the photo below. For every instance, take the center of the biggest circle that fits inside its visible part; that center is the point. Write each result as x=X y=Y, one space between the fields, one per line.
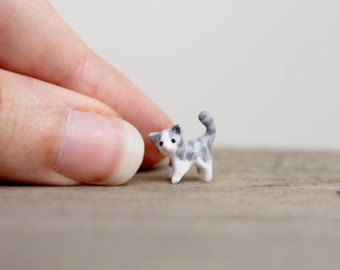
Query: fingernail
x=99 y=149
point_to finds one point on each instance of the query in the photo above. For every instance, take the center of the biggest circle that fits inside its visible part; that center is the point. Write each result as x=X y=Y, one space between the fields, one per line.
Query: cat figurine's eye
x=173 y=140
x=161 y=143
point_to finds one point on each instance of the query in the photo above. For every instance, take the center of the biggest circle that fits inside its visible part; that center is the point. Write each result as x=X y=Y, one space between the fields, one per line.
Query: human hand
x=64 y=112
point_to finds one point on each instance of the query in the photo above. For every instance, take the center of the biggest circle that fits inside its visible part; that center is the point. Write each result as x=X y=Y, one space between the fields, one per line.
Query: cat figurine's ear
x=177 y=129
x=153 y=137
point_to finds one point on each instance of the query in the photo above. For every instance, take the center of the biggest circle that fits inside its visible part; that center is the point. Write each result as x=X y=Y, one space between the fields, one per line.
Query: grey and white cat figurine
x=185 y=154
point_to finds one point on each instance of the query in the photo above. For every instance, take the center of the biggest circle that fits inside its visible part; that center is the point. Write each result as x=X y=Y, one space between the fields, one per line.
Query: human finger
x=34 y=41
x=50 y=135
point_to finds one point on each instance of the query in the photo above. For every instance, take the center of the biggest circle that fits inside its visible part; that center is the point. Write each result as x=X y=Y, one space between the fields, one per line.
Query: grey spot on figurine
x=182 y=154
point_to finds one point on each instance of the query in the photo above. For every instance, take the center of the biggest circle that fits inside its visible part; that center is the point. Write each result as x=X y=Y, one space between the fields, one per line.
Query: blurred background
x=268 y=71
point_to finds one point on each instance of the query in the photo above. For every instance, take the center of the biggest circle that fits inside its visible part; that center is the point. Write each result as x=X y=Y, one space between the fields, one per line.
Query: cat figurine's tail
x=208 y=121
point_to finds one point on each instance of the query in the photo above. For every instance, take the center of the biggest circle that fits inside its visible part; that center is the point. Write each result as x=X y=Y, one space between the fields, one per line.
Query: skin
x=37 y=47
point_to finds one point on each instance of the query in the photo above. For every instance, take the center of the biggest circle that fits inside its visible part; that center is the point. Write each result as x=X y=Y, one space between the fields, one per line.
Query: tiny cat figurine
x=185 y=154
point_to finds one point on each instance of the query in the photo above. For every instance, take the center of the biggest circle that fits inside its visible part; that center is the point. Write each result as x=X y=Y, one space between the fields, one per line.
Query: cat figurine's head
x=168 y=140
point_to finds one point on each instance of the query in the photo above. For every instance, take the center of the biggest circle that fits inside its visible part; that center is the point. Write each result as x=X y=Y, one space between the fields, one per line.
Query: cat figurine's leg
x=169 y=171
x=204 y=169
x=207 y=173
x=181 y=167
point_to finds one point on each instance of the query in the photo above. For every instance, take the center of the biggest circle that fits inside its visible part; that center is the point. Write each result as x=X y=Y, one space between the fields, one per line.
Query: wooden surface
x=263 y=210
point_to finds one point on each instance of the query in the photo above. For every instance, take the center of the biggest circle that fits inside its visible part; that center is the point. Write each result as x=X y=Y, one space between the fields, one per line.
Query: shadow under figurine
x=185 y=154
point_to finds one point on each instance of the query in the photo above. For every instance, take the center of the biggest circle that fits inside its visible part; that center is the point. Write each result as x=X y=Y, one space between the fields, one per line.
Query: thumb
x=50 y=135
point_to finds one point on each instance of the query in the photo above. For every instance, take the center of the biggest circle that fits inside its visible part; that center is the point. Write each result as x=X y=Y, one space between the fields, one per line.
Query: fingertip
x=99 y=149
x=131 y=157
